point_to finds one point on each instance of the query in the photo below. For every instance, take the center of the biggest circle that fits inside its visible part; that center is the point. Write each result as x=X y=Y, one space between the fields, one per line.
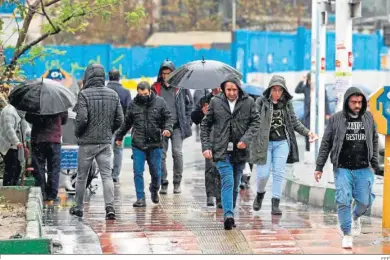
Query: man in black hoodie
x=233 y=118
x=351 y=136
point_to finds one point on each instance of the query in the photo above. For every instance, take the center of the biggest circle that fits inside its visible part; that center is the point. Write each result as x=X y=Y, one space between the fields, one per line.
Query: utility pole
x=346 y=10
x=313 y=71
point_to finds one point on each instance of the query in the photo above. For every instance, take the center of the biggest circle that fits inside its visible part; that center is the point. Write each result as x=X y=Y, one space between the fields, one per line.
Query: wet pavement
x=183 y=224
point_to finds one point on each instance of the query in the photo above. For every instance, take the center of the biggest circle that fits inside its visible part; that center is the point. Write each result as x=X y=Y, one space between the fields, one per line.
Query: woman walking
x=275 y=144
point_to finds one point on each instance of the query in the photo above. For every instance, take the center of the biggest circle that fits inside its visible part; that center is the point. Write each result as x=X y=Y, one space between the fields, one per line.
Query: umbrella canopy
x=253 y=90
x=202 y=74
x=43 y=97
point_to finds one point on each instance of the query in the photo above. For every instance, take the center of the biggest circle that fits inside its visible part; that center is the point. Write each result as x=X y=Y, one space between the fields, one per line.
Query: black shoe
x=75 y=212
x=110 y=213
x=115 y=180
x=258 y=201
x=164 y=189
x=275 y=207
x=229 y=223
x=210 y=201
x=154 y=196
x=139 y=203
x=219 y=203
x=176 y=188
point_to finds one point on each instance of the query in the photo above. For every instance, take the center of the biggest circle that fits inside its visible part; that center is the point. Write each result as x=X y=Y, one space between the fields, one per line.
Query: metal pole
x=344 y=56
x=233 y=15
x=313 y=114
x=322 y=10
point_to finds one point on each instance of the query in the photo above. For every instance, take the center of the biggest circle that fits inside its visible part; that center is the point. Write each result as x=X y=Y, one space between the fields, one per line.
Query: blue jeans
x=356 y=184
x=117 y=164
x=153 y=157
x=277 y=155
x=230 y=181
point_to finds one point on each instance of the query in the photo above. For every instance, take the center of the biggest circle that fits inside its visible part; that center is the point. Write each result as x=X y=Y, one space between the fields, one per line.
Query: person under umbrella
x=46 y=102
x=234 y=119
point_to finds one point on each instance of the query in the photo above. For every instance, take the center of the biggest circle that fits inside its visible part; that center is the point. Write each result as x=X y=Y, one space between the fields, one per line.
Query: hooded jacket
x=99 y=112
x=148 y=121
x=183 y=101
x=333 y=138
x=220 y=126
x=259 y=146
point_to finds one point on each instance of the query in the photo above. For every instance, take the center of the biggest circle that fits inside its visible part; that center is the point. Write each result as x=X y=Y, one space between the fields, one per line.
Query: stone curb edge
x=322 y=197
x=34 y=209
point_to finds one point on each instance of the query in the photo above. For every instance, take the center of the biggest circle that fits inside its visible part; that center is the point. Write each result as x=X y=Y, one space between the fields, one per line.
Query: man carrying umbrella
x=180 y=103
x=234 y=119
x=212 y=179
x=99 y=115
x=46 y=103
x=46 y=147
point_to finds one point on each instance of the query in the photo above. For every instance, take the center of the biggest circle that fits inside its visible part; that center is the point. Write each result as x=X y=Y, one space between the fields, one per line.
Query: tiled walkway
x=184 y=224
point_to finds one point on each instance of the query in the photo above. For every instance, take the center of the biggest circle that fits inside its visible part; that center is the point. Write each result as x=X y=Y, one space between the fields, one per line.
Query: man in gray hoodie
x=352 y=140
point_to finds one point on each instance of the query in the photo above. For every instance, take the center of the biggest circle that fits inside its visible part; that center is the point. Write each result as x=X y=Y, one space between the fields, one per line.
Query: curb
x=34 y=208
x=322 y=197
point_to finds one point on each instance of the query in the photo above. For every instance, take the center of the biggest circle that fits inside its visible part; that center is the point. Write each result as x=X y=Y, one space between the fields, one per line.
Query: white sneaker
x=356 y=227
x=347 y=242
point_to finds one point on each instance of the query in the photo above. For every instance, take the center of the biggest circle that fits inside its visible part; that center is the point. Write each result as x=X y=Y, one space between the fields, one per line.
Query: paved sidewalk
x=301 y=186
x=183 y=224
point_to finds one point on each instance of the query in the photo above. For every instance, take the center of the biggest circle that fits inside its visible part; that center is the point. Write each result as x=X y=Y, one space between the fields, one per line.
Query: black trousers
x=12 y=168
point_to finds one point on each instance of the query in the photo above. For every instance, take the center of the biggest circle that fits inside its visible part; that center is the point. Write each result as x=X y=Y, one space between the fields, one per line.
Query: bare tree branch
x=47 y=17
x=52 y=3
x=26 y=25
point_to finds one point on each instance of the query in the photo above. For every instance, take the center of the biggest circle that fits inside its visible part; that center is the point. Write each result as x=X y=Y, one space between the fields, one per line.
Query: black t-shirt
x=354 y=152
x=277 y=131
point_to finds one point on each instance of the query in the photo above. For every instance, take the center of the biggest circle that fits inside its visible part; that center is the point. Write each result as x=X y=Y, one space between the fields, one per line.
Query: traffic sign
x=379 y=103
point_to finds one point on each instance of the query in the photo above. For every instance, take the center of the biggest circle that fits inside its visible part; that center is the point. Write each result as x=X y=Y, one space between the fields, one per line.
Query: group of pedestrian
x=235 y=129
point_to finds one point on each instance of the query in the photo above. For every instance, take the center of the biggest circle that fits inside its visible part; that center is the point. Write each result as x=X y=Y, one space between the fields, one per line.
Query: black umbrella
x=43 y=97
x=202 y=74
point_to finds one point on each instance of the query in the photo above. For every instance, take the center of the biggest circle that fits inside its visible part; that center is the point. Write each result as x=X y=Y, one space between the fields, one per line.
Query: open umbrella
x=202 y=74
x=43 y=97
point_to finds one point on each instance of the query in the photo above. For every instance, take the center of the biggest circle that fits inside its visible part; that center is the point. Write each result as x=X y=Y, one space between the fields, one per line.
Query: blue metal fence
x=267 y=52
x=251 y=51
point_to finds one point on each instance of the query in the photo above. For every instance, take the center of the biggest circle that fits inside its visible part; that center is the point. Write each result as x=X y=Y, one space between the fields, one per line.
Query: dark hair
x=143 y=85
x=114 y=75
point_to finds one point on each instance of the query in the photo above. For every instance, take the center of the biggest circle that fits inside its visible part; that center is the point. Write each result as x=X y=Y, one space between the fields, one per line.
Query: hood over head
x=278 y=80
x=351 y=92
x=167 y=64
x=234 y=80
x=94 y=76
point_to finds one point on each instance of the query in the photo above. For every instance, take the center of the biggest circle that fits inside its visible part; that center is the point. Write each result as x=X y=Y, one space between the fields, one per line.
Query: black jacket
x=197 y=114
x=333 y=138
x=147 y=121
x=242 y=124
x=99 y=112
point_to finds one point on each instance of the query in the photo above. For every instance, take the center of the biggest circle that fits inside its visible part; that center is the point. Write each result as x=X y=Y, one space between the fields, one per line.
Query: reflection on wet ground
x=183 y=224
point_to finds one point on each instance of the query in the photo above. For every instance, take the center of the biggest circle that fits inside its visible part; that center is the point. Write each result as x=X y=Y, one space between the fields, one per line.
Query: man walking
x=180 y=103
x=125 y=98
x=99 y=115
x=351 y=136
x=234 y=119
x=46 y=147
x=150 y=120
x=304 y=87
x=212 y=179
